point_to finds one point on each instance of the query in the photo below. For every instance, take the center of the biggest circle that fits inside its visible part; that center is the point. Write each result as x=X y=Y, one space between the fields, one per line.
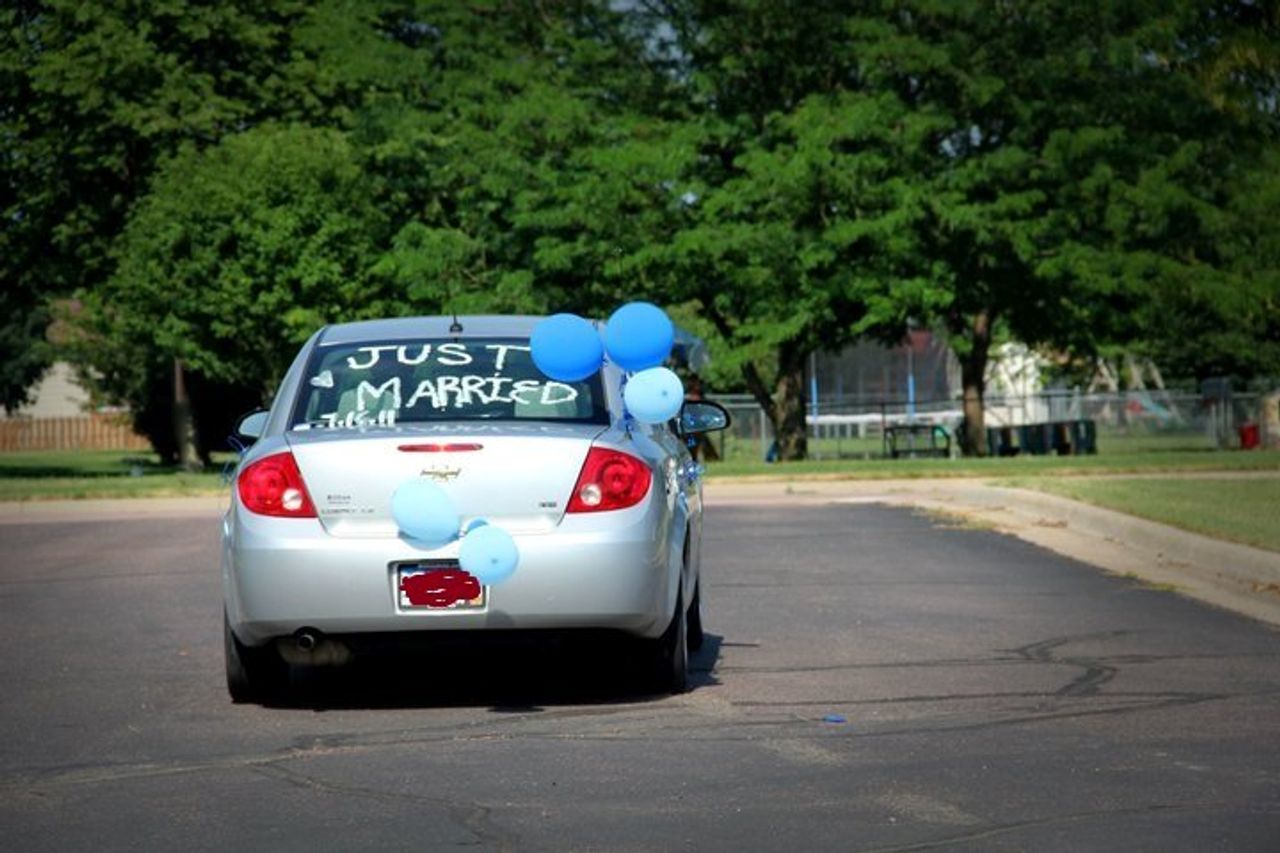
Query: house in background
x=60 y=417
x=56 y=395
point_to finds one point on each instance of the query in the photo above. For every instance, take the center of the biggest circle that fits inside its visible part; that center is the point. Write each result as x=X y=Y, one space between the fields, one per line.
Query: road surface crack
x=1006 y=828
x=471 y=816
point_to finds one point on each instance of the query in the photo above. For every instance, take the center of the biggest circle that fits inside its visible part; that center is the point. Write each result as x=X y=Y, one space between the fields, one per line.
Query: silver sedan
x=604 y=512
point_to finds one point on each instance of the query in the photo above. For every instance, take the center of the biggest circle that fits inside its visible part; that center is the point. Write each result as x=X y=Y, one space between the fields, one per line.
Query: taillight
x=273 y=486
x=610 y=479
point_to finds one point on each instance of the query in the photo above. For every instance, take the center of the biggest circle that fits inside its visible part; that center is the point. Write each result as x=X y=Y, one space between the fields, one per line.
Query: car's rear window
x=384 y=383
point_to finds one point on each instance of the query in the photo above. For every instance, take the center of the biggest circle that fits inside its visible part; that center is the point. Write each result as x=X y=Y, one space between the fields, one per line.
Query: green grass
x=1240 y=510
x=1143 y=442
x=76 y=463
x=101 y=474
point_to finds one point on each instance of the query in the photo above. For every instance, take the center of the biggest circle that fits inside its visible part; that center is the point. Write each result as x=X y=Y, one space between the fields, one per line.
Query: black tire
x=253 y=675
x=669 y=654
x=695 y=619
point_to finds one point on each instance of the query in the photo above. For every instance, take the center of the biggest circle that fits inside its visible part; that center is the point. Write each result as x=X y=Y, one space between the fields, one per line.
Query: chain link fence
x=1125 y=422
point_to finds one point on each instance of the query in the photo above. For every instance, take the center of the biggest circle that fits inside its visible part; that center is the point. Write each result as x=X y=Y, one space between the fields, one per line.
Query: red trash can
x=1250 y=437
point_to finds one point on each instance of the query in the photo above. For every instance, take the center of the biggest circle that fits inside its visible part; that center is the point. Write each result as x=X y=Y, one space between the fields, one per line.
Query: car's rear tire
x=694 y=619
x=669 y=654
x=252 y=674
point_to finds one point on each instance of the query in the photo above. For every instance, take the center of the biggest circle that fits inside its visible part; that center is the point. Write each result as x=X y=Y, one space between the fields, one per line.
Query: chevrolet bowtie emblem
x=441 y=474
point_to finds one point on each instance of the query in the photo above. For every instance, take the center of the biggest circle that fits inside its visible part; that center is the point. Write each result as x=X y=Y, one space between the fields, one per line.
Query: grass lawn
x=101 y=474
x=1241 y=510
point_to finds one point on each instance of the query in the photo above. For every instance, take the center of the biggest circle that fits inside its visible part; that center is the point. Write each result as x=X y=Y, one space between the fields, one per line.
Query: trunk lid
x=516 y=475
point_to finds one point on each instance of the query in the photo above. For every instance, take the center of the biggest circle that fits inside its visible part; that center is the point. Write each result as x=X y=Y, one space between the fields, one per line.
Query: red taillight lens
x=273 y=486
x=610 y=479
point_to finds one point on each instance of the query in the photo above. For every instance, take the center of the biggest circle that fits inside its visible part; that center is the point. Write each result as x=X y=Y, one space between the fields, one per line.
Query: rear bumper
x=280 y=575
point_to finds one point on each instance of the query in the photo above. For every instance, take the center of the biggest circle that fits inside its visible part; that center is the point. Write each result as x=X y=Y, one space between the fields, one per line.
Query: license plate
x=438 y=586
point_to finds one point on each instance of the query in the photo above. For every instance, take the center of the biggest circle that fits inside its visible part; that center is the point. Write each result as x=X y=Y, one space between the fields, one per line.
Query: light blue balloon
x=566 y=347
x=424 y=512
x=489 y=553
x=654 y=396
x=638 y=336
x=473 y=524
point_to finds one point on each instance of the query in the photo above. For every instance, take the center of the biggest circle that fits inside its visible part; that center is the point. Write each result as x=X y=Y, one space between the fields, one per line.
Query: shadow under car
x=507 y=671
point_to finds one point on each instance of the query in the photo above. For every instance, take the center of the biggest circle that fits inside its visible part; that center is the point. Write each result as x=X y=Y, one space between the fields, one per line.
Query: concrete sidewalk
x=1236 y=577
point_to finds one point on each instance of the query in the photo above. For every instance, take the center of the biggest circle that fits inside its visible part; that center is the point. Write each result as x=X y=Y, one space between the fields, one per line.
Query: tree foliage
x=95 y=96
x=412 y=137
x=1077 y=163
x=1047 y=170
x=233 y=259
x=1225 y=321
x=216 y=180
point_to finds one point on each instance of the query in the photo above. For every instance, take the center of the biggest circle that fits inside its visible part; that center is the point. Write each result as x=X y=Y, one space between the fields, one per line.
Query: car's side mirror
x=252 y=425
x=702 y=416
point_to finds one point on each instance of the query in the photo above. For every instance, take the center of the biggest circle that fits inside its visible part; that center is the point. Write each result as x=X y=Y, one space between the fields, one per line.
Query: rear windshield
x=422 y=381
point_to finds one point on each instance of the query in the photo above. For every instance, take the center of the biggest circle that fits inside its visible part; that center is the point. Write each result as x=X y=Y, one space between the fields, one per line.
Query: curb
x=1226 y=574
x=112 y=509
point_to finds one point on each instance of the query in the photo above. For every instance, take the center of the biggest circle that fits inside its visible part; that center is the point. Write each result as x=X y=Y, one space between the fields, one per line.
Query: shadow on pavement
x=516 y=675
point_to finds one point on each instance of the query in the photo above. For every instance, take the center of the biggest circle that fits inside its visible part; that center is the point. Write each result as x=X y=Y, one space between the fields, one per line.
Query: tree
x=117 y=89
x=1199 y=325
x=485 y=175
x=1037 y=169
x=778 y=254
x=802 y=173
x=94 y=96
x=1225 y=322
x=731 y=201
x=443 y=122
x=235 y=257
x=1076 y=167
x=97 y=96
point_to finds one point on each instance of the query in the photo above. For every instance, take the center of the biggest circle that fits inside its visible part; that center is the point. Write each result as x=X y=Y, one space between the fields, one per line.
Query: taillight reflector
x=273 y=486
x=610 y=479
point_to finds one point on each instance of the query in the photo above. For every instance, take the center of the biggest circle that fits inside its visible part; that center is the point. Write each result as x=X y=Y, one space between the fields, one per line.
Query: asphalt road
x=873 y=681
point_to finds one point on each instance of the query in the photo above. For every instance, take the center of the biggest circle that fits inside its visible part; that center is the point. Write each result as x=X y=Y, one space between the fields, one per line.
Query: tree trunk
x=184 y=427
x=789 y=426
x=973 y=370
x=784 y=405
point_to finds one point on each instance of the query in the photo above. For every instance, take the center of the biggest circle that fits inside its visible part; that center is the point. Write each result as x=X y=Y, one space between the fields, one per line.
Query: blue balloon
x=639 y=336
x=489 y=553
x=654 y=395
x=424 y=512
x=566 y=347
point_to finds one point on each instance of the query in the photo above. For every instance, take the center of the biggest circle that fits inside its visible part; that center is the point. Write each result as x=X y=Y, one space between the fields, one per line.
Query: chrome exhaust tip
x=309 y=647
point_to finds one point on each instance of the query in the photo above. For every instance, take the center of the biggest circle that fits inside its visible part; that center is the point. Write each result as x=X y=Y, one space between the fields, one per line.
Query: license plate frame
x=403 y=570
